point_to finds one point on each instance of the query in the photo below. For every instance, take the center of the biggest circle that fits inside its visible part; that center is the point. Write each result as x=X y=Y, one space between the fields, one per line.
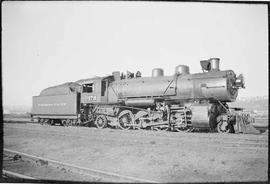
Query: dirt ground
x=156 y=156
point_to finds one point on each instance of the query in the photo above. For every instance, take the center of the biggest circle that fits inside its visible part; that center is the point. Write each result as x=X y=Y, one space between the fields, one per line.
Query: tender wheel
x=41 y=121
x=64 y=122
x=126 y=119
x=72 y=122
x=47 y=122
x=101 y=121
x=68 y=122
x=51 y=122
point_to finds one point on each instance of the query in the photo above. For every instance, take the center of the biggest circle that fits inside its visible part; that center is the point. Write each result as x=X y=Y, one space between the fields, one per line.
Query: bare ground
x=156 y=156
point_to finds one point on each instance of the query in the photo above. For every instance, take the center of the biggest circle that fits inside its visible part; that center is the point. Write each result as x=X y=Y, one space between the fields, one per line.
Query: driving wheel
x=125 y=120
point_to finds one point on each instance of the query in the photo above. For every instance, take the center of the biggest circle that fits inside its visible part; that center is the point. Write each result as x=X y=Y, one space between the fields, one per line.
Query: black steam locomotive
x=179 y=102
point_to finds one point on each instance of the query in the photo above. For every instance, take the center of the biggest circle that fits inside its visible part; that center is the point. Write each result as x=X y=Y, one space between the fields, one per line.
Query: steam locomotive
x=180 y=102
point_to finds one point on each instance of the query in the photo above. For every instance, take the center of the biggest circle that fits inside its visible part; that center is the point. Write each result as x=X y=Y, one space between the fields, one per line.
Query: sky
x=49 y=43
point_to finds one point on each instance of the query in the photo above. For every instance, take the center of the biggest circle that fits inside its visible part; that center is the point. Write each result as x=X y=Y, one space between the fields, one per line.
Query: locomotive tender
x=178 y=102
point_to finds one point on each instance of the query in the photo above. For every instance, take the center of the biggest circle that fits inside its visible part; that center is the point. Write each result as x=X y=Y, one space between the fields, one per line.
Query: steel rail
x=82 y=170
x=256 y=126
x=16 y=175
x=7 y=121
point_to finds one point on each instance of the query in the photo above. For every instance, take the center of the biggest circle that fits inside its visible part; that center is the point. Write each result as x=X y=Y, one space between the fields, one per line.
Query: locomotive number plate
x=93 y=98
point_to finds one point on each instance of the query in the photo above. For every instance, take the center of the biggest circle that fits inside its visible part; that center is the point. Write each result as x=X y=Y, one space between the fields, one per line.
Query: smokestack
x=214 y=64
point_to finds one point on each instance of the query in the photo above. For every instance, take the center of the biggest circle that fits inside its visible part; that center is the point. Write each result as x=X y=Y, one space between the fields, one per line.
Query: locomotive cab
x=94 y=90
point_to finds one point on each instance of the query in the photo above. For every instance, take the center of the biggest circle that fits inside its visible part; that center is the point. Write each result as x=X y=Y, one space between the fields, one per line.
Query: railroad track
x=104 y=175
x=13 y=175
x=19 y=121
x=257 y=126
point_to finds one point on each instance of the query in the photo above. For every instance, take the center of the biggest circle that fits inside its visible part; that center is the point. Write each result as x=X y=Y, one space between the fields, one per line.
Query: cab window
x=88 y=88
x=103 y=88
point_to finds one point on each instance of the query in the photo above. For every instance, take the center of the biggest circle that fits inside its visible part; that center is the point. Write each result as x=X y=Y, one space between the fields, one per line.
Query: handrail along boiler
x=179 y=102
